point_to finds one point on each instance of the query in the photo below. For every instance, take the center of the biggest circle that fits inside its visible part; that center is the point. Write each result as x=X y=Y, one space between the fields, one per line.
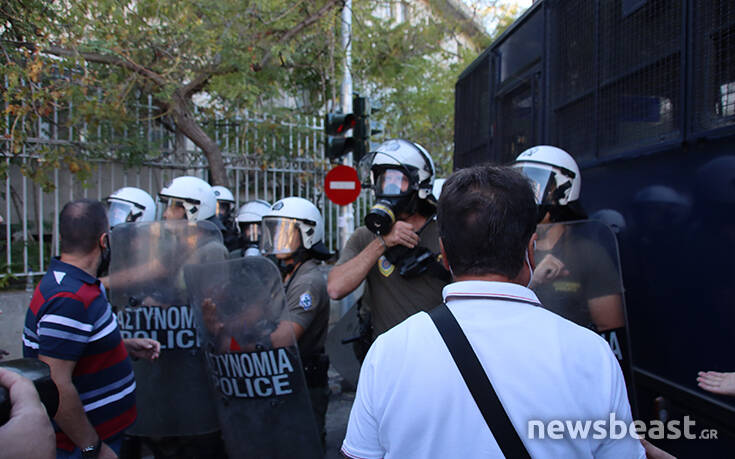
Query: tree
x=103 y=56
x=412 y=68
x=105 y=53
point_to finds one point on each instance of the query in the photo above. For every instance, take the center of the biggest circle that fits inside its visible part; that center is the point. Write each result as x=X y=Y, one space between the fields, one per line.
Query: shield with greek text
x=149 y=296
x=577 y=275
x=252 y=359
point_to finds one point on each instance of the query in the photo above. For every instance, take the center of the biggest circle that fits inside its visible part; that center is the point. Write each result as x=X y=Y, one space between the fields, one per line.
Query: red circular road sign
x=341 y=185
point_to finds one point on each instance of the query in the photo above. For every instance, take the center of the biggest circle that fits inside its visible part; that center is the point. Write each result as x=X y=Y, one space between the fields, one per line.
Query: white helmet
x=411 y=160
x=288 y=218
x=248 y=220
x=253 y=211
x=194 y=194
x=554 y=173
x=223 y=194
x=130 y=204
x=225 y=202
x=437 y=188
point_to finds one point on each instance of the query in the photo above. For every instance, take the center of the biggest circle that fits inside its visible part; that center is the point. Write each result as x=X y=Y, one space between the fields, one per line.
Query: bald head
x=81 y=223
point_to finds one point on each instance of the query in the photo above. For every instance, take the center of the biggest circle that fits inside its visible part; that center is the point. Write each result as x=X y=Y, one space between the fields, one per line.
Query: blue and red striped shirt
x=69 y=318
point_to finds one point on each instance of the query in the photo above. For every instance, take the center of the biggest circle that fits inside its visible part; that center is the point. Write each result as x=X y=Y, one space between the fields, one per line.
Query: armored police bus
x=642 y=94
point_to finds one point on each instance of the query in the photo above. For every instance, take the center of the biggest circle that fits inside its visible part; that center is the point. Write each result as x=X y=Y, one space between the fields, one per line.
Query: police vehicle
x=642 y=94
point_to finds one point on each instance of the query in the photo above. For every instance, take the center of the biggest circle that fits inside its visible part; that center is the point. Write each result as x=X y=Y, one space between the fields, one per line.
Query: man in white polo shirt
x=411 y=399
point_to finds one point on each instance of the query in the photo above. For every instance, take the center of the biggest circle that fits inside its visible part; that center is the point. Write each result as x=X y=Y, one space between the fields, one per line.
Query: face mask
x=104 y=258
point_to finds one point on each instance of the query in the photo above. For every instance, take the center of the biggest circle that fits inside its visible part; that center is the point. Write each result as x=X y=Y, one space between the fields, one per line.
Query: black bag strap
x=478 y=383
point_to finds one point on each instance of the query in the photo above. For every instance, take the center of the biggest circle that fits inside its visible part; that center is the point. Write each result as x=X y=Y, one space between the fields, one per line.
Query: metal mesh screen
x=641 y=109
x=472 y=135
x=645 y=36
x=573 y=50
x=575 y=128
x=714 y=64
x=517 y=122
x=572 y=75
x=616 y=75
x=640 y=75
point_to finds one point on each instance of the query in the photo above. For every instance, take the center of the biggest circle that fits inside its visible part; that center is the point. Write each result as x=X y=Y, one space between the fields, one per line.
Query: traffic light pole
x=346 y=221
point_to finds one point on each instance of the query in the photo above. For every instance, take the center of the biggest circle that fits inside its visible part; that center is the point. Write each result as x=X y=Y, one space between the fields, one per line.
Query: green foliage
x=89 y=71
x=411 y=68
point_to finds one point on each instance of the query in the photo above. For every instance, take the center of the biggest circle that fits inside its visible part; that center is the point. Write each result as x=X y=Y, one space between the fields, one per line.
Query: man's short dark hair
x=81 y=223
x=487 y=214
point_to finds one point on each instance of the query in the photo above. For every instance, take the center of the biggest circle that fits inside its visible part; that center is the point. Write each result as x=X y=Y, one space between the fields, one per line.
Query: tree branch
x=108 y=60
x=298 y=28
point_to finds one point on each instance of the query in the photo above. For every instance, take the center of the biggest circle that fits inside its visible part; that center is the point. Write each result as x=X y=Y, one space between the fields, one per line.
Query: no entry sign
x=341 y=185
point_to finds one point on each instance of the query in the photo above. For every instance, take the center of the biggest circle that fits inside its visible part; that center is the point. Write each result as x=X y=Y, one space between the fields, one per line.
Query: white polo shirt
x=412 y=402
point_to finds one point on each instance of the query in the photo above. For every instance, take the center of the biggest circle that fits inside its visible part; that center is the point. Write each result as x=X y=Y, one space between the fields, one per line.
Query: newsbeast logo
x=172 y=326
x=616 y=429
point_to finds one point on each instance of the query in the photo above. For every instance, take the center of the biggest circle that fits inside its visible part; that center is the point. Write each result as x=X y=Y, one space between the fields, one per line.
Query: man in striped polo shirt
x=70 y=326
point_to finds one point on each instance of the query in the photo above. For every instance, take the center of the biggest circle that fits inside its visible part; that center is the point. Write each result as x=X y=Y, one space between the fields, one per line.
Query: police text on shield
x=252 y=374
x=172 y=326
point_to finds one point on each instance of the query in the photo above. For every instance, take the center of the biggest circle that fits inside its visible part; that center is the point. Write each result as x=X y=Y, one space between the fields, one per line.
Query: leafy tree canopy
x=93 y=60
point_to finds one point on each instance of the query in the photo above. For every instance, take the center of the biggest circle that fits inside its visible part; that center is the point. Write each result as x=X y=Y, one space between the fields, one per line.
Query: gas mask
x=395 y=192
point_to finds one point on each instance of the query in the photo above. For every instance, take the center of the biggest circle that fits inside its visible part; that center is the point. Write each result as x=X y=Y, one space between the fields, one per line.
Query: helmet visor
x=224 y=209
x=250 y=231
x=280 y=235
x=543 y=182
x=122 y=212
x=176 y=205
x=392 y=182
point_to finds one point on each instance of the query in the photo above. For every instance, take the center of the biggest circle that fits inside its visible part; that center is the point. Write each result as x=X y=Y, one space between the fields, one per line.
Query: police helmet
x=193 y=194
x=130 y=204
x=292 y=223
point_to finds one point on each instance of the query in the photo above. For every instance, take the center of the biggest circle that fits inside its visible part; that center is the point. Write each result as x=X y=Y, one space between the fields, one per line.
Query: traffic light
x=336 y=126
x=361 y=134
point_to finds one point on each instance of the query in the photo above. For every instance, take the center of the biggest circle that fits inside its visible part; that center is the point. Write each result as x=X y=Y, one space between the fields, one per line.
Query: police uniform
x=307 y=304
x=589 y=273
x=388 y=296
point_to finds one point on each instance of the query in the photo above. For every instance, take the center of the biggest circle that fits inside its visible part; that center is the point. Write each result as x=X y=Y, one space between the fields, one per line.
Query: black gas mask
x=249 y=234
x=396 y=193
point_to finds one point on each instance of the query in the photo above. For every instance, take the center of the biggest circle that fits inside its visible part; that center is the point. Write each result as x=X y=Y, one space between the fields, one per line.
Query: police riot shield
x=578 y=276
x=252 y=359
x=148 y=293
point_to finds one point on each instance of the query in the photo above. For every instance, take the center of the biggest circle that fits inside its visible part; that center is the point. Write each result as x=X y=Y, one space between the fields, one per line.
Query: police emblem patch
x=305 y=301
x=385 y=267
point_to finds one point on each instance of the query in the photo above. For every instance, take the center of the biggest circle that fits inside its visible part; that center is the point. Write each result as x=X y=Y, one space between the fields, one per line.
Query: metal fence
x=266 y=157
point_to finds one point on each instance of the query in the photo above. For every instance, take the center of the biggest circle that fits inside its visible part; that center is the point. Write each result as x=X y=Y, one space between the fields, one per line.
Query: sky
x=486 y=8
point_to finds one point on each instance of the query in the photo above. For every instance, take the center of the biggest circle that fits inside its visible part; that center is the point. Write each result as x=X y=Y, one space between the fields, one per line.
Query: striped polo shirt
x=69 y=318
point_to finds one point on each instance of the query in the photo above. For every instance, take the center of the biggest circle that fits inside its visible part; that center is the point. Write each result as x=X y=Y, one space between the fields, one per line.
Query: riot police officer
x=582 y=280
x=170 y=427
x=248 y=220
x=226 y=214
x=397 y=250
x=293 y=235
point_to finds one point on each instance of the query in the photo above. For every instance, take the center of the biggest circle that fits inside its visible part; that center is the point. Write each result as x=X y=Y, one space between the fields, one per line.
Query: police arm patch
x=305 y=301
